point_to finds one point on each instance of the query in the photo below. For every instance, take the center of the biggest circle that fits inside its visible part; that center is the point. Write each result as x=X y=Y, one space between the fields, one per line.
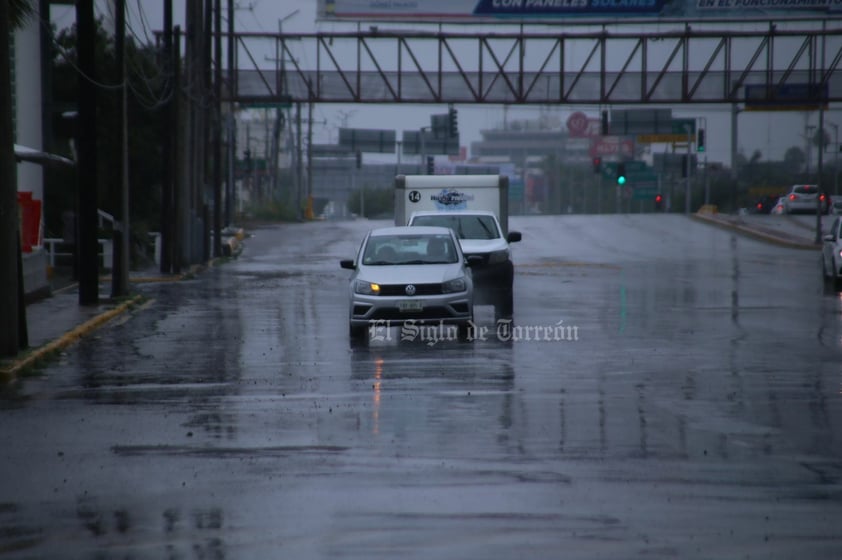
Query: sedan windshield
x=409 y=249
x=466 y=227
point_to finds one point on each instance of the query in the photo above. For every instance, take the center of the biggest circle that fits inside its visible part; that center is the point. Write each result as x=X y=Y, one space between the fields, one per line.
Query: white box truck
x=476 y=207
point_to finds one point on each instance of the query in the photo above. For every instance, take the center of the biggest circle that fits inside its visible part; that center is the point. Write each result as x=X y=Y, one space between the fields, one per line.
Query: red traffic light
x=659 y=198
x=597 y=165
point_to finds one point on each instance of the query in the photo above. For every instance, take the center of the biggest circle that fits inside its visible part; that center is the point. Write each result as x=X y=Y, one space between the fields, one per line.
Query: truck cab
x=476 y=208
x=480 y=235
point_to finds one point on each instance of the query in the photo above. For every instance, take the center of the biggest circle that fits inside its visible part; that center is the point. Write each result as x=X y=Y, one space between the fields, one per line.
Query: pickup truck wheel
x=504 y=307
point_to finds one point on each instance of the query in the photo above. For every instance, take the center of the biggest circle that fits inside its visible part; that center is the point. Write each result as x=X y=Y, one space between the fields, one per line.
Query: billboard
x=544 y=11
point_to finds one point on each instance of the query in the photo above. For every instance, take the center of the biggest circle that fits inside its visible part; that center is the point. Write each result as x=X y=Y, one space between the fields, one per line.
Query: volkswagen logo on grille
x=410 y=290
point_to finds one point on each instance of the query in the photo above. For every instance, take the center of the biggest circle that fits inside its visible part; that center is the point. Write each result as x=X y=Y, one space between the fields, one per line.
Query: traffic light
x=597 y=165
x=453 y=125
x=659 y=202
x=431 y=165
x=700 y=140
x=621 y=173
x=605 y=123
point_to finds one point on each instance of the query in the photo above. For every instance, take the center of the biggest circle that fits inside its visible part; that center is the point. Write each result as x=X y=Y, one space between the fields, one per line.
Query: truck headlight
x=498 y=256
x=367 y=288
x=455 y=285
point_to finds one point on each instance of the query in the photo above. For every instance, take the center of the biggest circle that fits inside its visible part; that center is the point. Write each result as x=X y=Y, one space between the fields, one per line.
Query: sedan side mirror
x=513 y=236
x=347 y=263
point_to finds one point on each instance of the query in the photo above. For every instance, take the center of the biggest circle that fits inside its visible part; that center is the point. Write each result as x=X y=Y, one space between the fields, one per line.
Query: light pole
x=835 y=157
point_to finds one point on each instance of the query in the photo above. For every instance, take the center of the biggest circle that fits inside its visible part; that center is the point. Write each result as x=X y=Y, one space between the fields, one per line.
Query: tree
x=795 y=158
x=147 y=84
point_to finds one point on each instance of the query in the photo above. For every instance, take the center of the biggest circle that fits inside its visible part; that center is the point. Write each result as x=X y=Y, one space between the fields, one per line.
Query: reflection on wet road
x=696 y=412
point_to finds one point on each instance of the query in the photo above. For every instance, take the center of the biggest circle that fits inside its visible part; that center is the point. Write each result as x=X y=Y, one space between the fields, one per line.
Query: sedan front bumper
x=454 y=308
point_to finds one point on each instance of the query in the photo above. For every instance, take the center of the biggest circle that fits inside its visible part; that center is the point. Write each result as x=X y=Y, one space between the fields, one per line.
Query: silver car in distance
x=409 y=275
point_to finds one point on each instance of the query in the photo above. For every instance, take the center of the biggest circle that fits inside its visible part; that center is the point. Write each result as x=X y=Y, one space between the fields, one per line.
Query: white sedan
x=408 y=275
x=832 y=255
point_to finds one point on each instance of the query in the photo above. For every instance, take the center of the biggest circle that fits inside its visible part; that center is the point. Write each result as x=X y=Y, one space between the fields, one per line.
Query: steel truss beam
x=686 y=66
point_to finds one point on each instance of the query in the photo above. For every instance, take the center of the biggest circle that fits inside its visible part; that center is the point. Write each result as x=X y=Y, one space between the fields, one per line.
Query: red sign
x=580 y=126
x=611 y=146
x=577 y=123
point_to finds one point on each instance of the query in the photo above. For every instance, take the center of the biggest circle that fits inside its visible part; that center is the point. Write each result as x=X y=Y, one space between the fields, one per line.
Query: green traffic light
x=621 y=180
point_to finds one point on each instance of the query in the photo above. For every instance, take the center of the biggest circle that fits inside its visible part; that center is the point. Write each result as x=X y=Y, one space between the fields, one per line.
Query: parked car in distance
x=802 y=198
x=409 y=274
x=836 y=204
x=779 y=207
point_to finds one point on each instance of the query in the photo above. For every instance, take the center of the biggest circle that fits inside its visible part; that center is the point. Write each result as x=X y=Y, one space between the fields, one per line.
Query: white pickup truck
x=476 y=208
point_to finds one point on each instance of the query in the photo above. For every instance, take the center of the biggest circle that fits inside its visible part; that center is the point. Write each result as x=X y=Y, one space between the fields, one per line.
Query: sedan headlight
x=498 y=256
x=455 y=285
x=367 y=288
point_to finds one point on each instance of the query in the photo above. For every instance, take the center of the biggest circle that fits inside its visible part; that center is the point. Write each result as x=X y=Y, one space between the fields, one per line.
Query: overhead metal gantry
x=684 y=66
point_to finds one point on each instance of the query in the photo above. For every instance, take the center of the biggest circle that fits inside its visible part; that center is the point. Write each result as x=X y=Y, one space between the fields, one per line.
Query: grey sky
x=772 y=133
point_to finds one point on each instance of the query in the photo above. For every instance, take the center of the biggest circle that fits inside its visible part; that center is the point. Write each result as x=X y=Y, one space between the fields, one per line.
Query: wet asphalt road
x=692 y=408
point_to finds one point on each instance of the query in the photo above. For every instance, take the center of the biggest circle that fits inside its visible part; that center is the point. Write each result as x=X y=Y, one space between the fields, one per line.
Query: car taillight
x=759 y=206
x=793 y=197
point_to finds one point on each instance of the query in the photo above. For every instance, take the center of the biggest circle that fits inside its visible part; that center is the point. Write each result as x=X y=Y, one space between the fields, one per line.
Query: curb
x=755 y=234
x=10 y=372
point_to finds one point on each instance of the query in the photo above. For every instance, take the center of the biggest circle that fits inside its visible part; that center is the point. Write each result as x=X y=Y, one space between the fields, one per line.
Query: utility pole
x=308 y=214
x=166 y=149
x=10 y=274
x=818 y=239
x=298 y=161
x=122 y=231
x=86 y=212
x=687 y=168
x=232 y=136
x=735 y=175
x=179 y=185
x=217 y=130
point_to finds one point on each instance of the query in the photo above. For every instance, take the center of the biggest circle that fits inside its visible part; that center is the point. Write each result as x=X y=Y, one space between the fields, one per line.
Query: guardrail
x=53 y=244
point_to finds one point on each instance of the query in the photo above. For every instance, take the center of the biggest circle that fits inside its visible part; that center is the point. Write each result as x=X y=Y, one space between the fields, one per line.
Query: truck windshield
x=466 y=226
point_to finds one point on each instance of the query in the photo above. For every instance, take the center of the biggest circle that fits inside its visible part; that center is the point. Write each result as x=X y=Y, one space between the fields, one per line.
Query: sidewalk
x=58 y=320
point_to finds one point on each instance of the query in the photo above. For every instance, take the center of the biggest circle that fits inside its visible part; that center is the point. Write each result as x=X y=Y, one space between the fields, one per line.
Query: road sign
x=641 y=121
x=365 y=140
x=645 y=185
x=611 y=145
x=679 y=130
x=412 y=143
x=645 y=191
